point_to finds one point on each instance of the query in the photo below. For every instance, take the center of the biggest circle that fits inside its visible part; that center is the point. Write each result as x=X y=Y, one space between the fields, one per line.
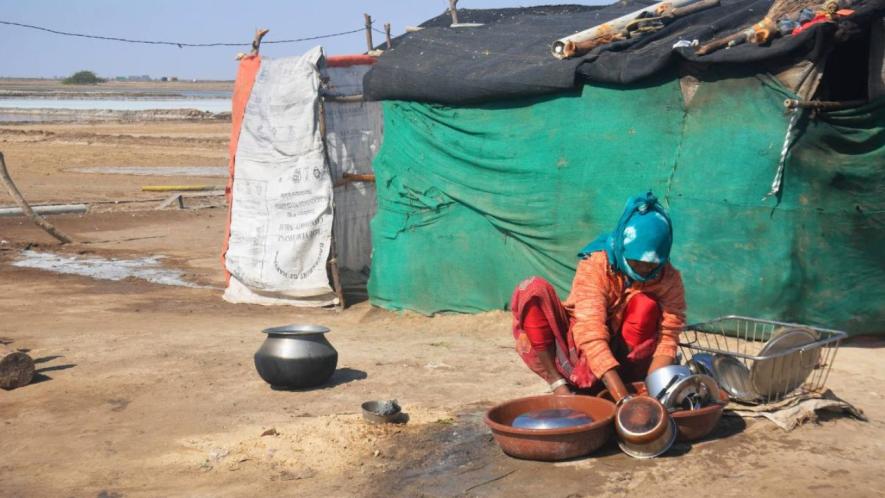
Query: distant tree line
x=83 y=78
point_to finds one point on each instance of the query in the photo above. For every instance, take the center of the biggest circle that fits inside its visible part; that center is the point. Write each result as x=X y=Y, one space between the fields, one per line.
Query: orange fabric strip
x=246 y=73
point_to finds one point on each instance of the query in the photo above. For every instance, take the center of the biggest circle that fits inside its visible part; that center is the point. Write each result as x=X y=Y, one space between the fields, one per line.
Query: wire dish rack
x=761 y=361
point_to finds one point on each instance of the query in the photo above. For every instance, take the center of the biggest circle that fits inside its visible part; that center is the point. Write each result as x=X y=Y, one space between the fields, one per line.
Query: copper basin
x=552 y=444
x=692 y=424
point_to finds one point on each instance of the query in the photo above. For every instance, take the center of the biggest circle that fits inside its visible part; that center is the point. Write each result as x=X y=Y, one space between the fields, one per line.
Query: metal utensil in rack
x=783 y=374
x=691 y=393
x=701 y=363
x=734 y=377
x=768 y=360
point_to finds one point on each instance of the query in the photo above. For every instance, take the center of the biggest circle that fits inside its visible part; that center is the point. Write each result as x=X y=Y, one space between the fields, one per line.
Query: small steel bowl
x=690 y=424
x=655 y=447
x=640 y=419
x=374 y=412
x=644 y=427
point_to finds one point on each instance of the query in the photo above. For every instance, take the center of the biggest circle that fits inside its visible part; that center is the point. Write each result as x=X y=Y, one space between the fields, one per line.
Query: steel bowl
x=551 y=444
x=652 y=448
x=383 y=412
x=691 y=424
x=660 y=380
x=644 y=427
x=296 y=357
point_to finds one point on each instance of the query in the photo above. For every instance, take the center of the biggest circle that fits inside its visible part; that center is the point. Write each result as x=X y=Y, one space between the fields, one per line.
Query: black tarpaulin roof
x=509 y=56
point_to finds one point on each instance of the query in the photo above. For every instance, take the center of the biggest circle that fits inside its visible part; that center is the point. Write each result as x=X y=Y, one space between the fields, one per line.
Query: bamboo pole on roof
x=607 y=32
x=453 y=10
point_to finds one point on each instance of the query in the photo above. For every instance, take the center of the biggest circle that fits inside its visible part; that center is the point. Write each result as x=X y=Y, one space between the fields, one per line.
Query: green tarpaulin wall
x=471 y=200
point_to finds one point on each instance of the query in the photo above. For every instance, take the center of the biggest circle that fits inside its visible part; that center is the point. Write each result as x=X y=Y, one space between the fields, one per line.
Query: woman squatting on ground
x=622 y=317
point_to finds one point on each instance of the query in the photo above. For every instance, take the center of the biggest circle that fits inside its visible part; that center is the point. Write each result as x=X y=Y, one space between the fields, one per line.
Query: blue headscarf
x=644 y=233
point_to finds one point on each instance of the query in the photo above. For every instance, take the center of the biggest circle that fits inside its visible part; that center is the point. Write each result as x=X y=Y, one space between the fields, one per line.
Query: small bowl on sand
x=383 y=412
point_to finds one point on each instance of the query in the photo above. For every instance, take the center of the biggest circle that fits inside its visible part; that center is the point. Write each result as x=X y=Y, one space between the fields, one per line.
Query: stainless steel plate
x=734 y=377
x=556 y=418
x=771 y=377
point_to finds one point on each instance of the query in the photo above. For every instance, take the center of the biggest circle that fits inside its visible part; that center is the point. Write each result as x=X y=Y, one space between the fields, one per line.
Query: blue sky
x=28 y=53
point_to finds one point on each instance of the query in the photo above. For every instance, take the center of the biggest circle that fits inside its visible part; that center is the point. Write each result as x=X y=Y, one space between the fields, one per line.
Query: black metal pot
x=296 y=356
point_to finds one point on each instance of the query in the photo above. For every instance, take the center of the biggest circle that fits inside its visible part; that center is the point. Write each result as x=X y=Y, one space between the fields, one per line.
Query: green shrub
x=83 y=78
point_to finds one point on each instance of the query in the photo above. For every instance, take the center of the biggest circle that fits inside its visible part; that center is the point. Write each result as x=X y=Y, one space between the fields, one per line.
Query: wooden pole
x=16 y=368
x=26 y=208
x=387 y=34
x=822 y=105
x=343 y=99
x=609 y=31
x=335 y=270
x=453 y=10
x=352 y=177
x=333 y=250
x=369 y=43
x=256 y=42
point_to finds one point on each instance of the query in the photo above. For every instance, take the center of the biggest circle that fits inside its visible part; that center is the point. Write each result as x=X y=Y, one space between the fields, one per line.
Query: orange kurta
x=597 y=301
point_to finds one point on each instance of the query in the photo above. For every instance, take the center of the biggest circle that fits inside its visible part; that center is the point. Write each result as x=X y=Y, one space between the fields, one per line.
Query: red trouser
x=540 y=320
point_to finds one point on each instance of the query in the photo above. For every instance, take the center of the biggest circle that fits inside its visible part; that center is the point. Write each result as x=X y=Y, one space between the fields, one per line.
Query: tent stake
x=26 y=209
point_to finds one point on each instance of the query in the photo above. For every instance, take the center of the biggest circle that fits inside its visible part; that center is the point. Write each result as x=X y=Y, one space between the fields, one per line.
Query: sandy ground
x=42 y=158
x=150 y=390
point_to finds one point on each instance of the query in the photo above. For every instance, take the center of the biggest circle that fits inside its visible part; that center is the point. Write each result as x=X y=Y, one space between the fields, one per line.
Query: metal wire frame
x=744 y=337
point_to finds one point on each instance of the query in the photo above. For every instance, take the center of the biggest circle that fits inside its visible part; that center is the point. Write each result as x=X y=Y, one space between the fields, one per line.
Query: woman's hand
x=659 y=362
x=562 y=390
x=614 y=384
